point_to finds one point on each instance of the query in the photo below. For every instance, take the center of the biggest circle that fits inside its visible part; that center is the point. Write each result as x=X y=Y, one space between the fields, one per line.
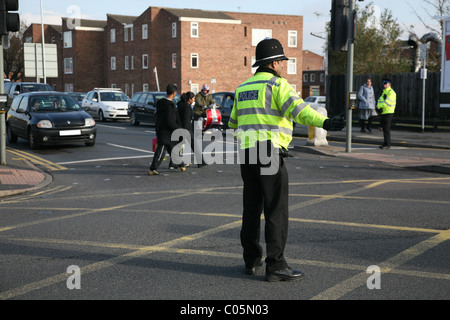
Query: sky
x=315 y=13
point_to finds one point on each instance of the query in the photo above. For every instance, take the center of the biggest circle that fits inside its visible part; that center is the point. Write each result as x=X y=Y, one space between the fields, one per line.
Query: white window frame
x=194 y=56
x=68 y=39
x=292 y=66
x=68 y=65
x=145 y=61
x=174 y=60
x=112 y=35
x=194 y=30
x=127 y=63
x=313 y=77
x=174 y=29
x=292 y=39
x=113 y=63
x=305 y=77
x=132 y=62
x=144 y=31
x=145 y=87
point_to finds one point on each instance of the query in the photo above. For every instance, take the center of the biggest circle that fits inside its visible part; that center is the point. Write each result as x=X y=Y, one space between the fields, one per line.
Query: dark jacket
x=167 y=121
x=186 y=113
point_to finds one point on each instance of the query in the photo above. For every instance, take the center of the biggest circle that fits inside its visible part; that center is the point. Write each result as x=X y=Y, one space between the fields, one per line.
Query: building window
x=113 y=63
x=145 y=87
x=292 y=42
x=313 y=77
x=113 y=35
x=305 y=77
x=145 y=61
x=127 y=89
x=174 y=60
x=68 y=39
x=144 y=31
x=194 y=60
x=132 y=62
x=322 y=77
x=194 y=29
x=292 y=66
x=174 y=29
x=68 y=65
x=127 y=63
x=128 y=33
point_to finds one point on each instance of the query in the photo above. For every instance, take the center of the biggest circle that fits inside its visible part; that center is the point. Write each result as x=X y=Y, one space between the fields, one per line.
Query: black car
x=45 y=118
x=13 y=89
x=142 y=107
x=226 y=101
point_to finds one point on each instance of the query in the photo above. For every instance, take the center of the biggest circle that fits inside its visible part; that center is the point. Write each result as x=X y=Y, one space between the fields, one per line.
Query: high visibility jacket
x=264 y=108
x=387 y=105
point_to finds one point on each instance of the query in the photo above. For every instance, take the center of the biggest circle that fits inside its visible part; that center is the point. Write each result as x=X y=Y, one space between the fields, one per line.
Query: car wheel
x=32 y=142
x=12 y=138
x=101 y=117
x=133 y=119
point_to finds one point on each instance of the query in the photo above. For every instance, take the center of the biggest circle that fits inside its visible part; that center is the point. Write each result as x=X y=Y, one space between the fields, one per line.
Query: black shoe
x=173 y=167
x=284 y=275
x=385 y=147
x=253 y=271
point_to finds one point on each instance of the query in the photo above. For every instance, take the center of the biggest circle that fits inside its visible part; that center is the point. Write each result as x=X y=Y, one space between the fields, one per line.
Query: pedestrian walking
x=185 y=112
x=367 y=111
x=264 y=108
x=167 y=121
x=386 y=104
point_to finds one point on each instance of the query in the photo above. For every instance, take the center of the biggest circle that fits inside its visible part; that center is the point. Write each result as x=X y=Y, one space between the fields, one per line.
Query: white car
x=316 y=101
x=106 y=103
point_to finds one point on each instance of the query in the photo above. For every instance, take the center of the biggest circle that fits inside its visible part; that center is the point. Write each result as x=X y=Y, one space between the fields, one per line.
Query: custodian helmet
x=269 y=50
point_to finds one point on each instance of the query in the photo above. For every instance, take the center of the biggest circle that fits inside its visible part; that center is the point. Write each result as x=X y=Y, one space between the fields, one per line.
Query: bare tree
x=434 y=9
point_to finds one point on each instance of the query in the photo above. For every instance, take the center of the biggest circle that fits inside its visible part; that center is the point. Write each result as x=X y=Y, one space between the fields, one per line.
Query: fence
x=408 y=87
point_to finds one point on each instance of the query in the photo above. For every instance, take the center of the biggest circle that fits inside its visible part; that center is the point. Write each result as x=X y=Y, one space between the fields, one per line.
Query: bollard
x=317 y=136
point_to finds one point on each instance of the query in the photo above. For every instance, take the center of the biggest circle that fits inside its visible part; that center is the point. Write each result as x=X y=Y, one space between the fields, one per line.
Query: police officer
x=387 y=104
x=263 y=110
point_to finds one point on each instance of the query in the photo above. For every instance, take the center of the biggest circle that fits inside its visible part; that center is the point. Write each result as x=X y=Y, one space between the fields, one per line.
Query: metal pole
x=2 y=115
x=43 y=46
x=424 y=76
x=348 y=148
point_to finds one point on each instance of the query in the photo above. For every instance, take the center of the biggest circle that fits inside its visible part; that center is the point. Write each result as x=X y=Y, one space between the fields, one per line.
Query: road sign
x=33 y=60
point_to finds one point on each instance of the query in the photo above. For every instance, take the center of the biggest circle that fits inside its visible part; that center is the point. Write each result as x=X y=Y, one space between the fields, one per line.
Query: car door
x=21 y=118
x=227 y=106
x=150 y=108
x=87 y=103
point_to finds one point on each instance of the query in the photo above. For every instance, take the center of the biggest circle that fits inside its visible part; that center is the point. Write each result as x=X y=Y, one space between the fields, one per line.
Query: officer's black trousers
x=268 y=193
x=386 y=123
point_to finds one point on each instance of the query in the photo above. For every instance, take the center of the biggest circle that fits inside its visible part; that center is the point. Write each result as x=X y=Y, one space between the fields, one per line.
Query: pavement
x=19 y=176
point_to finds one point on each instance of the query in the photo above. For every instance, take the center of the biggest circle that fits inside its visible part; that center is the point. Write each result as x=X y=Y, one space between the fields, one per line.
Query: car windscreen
x=35 y=88
x=113 y=96
x=53 y=104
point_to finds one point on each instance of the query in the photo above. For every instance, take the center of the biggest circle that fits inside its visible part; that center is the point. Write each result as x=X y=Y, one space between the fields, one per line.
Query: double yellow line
x=37 y=160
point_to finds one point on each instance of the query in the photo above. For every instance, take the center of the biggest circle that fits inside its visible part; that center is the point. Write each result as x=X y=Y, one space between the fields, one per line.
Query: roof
x=201 y=14
x=122 y=19
x=88 y=23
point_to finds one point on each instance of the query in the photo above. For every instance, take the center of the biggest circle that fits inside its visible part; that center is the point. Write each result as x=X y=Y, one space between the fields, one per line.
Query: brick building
x=186 y=47
x=313 y=74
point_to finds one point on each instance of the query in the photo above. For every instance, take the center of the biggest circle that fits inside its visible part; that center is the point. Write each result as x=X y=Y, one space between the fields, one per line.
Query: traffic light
x=9 y=22
x=340 y=10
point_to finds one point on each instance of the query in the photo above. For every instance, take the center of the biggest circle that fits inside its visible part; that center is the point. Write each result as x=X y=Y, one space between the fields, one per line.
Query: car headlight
x=44 y=124
x=89 y=122
x=110 y=108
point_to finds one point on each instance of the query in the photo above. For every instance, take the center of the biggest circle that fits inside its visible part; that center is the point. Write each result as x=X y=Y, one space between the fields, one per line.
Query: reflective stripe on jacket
x=264 y=108
x=387 y=105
